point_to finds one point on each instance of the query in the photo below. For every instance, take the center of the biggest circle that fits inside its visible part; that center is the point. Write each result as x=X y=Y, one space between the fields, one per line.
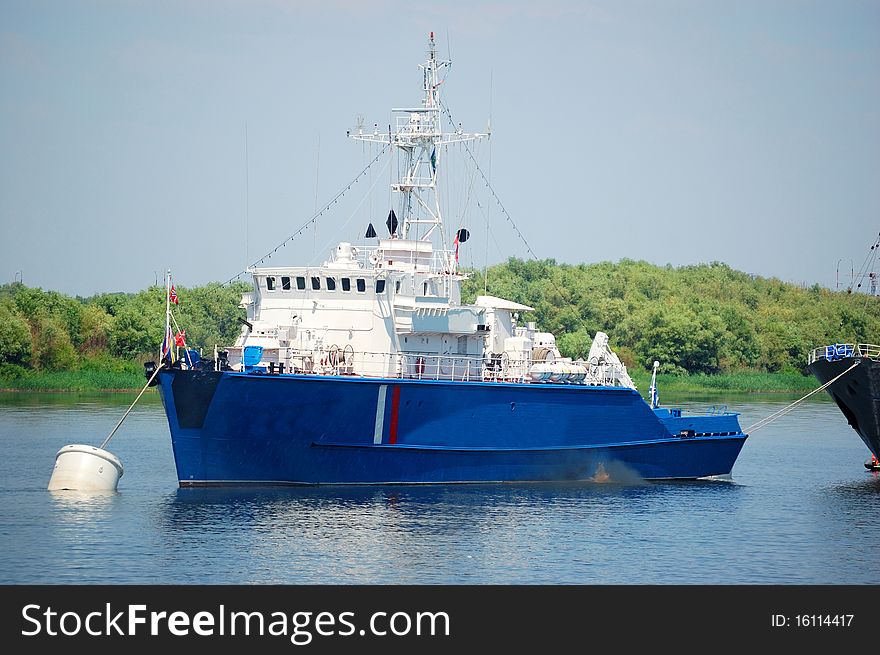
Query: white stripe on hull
x=380 y=414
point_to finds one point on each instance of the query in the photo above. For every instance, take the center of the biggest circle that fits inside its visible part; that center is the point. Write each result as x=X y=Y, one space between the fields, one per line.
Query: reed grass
x=75 y=381
x=740 y=381
x=131 y=378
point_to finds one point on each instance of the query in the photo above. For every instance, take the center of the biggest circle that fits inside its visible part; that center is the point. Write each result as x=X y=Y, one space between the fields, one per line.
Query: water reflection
x=82 y=503
x=256 y=505
x=78 y=517
x=86 y=400
x=857 y=500
x=413 y=533
x=799 y=509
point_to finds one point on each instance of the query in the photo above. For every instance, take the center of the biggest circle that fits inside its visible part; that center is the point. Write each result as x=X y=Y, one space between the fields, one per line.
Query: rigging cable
x=867 y=265
x=491 y=190
x=314 y=217
x=486 y=258
x=315 y=258
x=564 y=297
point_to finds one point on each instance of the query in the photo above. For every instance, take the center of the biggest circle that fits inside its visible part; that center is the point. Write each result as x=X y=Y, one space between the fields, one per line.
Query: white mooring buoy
x=81 y=467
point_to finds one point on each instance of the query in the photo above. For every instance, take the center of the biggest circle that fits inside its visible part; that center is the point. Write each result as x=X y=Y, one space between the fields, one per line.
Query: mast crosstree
x=418 y=136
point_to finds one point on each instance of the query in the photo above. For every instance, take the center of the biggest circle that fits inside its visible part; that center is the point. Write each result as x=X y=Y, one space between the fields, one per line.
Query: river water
x=800 y=508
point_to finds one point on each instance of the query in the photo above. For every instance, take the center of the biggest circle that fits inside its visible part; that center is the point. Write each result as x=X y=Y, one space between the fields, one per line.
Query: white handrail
x=837 y=351
x=420 y=366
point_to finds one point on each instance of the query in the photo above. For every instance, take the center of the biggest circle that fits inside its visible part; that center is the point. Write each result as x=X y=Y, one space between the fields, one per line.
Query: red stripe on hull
x=395 y=407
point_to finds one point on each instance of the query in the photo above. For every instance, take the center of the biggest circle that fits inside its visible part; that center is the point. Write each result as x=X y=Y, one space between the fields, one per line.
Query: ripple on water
x=799 y=508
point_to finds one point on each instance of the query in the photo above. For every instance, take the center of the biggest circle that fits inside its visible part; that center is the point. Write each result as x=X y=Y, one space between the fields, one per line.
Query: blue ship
x=369 y=369
x=246 y=428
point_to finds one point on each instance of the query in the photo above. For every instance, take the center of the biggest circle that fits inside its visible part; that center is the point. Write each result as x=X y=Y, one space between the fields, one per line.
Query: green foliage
x=79 y=380
x=740 y=381
x=134 y=332
x=708 y=324
x=16 y=344
x=95 y=329
x=53 y=348
x=210 y=314
x=576 y=343
x=101 y=341
x=10 y=373
x=104 y=363
x=703 y=319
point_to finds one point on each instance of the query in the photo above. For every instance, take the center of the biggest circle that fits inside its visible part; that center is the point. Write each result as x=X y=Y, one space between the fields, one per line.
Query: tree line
x=707 y=318
x=49 y=331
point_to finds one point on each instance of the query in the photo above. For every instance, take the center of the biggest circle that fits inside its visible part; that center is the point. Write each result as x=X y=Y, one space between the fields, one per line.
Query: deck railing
x=423 y=366
x=837 y=351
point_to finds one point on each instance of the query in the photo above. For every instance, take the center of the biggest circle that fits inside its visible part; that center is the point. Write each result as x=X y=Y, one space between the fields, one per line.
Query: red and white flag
x=172 y=296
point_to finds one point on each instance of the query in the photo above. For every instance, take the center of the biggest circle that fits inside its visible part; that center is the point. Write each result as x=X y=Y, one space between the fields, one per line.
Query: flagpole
x=167 y=310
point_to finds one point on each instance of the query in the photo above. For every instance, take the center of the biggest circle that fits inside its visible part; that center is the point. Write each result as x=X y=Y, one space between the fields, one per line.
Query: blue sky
x=136 y=136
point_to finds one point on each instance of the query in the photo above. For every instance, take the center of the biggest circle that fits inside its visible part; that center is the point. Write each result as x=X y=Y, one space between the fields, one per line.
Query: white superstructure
x=394 y=309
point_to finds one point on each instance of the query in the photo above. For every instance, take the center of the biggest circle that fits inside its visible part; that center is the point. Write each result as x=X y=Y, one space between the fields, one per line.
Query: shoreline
x=60 y=382
x=76 y=390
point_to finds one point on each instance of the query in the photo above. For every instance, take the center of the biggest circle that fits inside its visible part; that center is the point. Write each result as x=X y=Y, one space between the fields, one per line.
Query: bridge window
x=346 y=284
x=316 y=283
x=285 y=283
x=397 y=287
x=331 y=284
x=380 y=286
x=361 y=285
x=270 y=283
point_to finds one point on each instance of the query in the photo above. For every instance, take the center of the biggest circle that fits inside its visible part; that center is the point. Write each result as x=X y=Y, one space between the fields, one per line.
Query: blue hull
x=234 y=428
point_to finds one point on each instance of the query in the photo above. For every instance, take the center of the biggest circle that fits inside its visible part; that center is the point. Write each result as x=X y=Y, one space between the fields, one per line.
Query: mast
x=419 y=139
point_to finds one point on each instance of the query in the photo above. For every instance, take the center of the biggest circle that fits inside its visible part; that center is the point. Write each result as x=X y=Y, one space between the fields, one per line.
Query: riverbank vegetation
x=52 y=341
x=704 y=319
x=709 y=326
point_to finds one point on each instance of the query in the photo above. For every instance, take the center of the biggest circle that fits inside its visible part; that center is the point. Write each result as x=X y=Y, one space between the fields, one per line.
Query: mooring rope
x=785 y=410
x=131 y=407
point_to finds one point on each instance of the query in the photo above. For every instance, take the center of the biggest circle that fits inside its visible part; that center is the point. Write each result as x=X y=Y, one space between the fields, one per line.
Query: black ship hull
x=857 y=394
